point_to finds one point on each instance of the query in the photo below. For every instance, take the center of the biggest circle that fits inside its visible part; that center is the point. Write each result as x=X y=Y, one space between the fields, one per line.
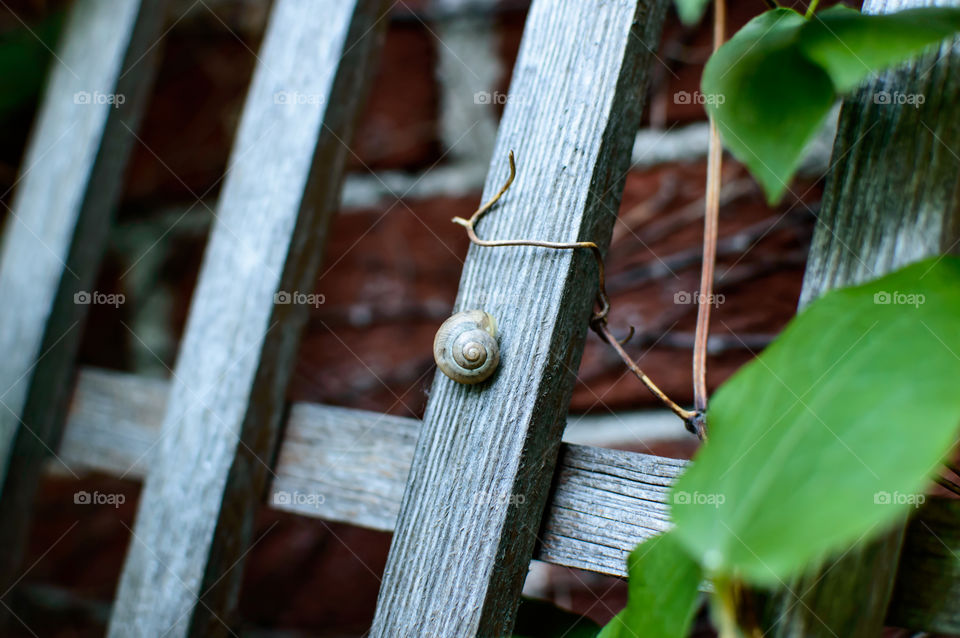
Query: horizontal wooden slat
x=113 y=423
x=351 y=465
x=603 y=503
x=344 y=465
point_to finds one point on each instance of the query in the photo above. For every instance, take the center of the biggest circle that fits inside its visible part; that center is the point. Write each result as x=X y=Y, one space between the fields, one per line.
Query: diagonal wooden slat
x=463 y=542
x=351 y=465
x=221 y=422
x=55 y=233
x=891 y=198
x=927 y=588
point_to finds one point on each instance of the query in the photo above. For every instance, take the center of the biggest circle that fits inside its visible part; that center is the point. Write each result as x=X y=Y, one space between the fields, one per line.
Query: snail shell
x=465 y=347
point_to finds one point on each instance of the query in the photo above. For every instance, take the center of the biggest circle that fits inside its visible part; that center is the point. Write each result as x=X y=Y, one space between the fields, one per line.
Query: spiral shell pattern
x=466 y=348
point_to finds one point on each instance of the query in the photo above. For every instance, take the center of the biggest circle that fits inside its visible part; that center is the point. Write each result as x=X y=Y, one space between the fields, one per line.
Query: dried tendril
x=693 y=419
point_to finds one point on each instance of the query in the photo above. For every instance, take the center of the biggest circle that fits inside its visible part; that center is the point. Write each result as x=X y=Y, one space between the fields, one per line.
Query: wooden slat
x=55 y=234
x=220 y=426
x=351 y=466
x=114 y=423
x=603 y=502
x=344 y=465
x=927 y=592
x=462 y=547
x=891 y=198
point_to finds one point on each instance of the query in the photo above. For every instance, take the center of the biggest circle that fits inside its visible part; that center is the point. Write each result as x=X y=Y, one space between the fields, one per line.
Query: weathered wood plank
x=351 y=466
x=55 y=233
x=462 y=546
x=222 y=417
x=603 y=502
x=927 y=592
x=344 y=465
x=891 y=198
x=114 y=423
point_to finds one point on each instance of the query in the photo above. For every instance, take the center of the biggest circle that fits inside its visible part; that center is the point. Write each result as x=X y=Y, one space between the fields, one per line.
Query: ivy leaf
x=850 y=45
x=771 y=85
x=832 y=432
x=690 y=11
x=663 y=590
x=767 y=98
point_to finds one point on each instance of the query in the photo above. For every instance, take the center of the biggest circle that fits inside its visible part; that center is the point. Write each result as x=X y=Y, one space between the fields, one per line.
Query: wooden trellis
x=461 y=545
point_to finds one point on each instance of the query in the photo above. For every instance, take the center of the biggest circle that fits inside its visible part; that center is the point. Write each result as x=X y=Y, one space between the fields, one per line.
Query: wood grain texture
x=344 y=465
x=603 y=503
x=892 y=195
x=463 y=541
x=927 y=591
x=222 y=417
x=113 y=424
x=55 y=233
x=351 y=465
x=890 y=199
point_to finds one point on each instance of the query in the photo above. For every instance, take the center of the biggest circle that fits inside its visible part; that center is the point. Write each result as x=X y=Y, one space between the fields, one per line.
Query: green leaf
x=850 y=45
x=690 y=11
x=771 y=85
x=832 y=432
x=541 y=619
x=663 y=582
x=767 y=98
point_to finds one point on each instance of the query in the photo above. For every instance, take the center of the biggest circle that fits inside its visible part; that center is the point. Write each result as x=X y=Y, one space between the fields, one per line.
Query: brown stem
x=689 y=417
x=710 y=217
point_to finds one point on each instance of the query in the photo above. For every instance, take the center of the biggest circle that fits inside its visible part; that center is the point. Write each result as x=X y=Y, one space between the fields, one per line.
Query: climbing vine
x=835 y=431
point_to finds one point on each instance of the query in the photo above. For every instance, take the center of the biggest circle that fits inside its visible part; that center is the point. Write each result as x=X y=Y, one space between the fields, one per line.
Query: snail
x=465 y=347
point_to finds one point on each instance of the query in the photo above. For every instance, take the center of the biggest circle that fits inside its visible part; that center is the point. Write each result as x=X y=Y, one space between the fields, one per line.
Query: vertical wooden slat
x=196 y=513
x=484 y=460
x=891 y=198
x=55 y=233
